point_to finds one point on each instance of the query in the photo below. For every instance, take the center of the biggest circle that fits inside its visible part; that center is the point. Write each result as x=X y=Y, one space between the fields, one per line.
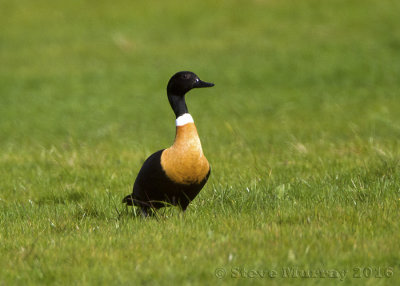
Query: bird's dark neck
x=178 y=104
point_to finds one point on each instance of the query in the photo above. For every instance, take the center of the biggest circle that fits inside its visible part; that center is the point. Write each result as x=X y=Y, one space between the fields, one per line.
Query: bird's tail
x=128 y=200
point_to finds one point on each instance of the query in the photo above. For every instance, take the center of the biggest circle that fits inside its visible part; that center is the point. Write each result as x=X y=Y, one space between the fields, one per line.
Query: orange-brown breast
x=184 y=162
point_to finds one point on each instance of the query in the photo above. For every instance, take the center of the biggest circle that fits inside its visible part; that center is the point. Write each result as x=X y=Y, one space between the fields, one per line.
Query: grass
x=302 y=132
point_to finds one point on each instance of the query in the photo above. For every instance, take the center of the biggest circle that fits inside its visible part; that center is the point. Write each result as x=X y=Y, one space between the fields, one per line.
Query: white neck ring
x=184 y=119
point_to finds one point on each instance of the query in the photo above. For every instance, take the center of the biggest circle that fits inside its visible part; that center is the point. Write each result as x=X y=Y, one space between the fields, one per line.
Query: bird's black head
x=181 y=82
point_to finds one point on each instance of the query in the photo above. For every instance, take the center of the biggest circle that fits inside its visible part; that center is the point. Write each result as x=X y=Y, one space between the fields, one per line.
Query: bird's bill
x=201 y=83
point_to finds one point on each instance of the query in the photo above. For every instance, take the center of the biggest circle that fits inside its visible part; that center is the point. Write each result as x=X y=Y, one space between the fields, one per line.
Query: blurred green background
x=301 y=129
x=68 y=68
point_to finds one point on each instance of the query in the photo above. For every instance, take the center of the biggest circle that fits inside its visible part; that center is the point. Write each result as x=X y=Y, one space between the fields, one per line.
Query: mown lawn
x=302 y=131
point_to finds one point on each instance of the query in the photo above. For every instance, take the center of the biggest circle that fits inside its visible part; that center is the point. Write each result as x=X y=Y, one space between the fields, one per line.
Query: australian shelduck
x=174 y=176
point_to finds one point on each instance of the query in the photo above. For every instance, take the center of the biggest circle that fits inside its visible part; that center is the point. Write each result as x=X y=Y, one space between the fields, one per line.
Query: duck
x=174 y=176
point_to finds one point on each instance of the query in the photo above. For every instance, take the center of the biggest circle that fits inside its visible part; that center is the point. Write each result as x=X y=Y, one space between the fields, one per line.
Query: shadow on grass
x=160 y=214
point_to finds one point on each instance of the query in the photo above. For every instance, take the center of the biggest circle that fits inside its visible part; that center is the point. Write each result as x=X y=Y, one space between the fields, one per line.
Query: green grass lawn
x=302 y=131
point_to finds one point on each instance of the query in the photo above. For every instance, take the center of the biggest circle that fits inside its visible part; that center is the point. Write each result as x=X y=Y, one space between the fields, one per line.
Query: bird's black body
x=173 y=176
x=153 y=189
